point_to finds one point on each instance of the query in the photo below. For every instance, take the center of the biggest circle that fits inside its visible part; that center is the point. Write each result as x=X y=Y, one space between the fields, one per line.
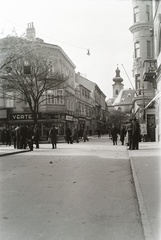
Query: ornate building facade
x=144 y=65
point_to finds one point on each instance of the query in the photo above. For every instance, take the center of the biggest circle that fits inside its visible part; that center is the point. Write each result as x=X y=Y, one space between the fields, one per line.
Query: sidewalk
x=145 y=165
x=9 y=150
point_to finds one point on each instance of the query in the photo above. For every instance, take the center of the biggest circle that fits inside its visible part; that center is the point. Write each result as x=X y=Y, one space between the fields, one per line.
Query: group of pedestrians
x=23 y=136
x=73 y=136
x=130 y=132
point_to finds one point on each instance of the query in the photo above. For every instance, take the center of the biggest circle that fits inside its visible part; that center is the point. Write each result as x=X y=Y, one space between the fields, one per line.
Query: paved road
x=81 y=191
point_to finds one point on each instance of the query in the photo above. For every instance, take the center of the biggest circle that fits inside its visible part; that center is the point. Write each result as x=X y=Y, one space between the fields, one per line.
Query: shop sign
x=69 y=118
x=21 y=116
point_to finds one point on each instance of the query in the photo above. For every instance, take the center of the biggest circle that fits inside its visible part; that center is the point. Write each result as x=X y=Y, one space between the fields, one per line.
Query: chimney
x=30 y=32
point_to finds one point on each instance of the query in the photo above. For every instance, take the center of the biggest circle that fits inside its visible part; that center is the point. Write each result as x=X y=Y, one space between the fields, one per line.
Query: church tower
x=117 y=86
x=30 y=32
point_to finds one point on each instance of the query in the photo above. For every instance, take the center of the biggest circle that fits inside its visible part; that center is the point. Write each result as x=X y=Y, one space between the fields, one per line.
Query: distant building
x=122 y=99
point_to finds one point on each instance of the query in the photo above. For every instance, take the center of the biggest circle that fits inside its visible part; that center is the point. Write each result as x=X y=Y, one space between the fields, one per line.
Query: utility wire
x=72 y=45
x=128 y=76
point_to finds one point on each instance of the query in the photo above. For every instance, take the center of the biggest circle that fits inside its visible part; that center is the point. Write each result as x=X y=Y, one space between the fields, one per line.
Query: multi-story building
x=97 y=106
x=80 y=103
x=59 y=104
x=154 y=74
x=144 y=61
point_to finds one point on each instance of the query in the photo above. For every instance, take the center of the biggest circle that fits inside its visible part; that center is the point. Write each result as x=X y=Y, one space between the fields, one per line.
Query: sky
x=102 y=26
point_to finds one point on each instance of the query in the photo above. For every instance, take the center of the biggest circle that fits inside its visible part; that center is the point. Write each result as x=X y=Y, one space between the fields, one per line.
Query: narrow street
x=78 y=191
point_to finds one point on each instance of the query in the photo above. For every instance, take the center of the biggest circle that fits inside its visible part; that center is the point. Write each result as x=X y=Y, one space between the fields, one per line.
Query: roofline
x=61 y=50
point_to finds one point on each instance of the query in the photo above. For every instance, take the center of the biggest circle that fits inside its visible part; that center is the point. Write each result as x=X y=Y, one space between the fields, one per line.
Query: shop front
x=45 y=121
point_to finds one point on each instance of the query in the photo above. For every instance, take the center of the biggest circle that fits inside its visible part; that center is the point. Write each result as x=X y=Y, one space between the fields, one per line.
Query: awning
x=155 y=98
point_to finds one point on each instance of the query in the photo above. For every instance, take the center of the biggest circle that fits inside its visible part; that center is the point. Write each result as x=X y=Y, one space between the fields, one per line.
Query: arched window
x=116 y=92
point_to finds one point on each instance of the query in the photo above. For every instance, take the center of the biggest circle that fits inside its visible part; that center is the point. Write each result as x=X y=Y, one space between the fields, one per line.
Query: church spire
x=117 y=86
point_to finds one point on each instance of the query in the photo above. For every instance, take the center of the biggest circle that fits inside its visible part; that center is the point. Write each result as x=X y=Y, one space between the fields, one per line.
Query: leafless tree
x=26 y=72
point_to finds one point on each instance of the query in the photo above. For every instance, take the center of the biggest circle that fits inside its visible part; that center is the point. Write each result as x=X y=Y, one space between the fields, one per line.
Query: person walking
x=122 y=134
x=24 y=134
x=30 y=137
x=14 y=137
x=36 y=135
x=53 y=133
x=68 y=134
x=114 y=133
x=85 y=136
x=129 y=133
x=135 y=134
x=75 y=135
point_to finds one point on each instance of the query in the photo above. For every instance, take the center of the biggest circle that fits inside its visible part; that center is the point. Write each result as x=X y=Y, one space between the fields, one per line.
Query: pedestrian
x=135 y=134
x=30 y=137
x=24 y=134
x=129 y=133
x=68 y=134
x=114 y=132
x=18 y=133
x=36 y=136
x=122 y=134
x=85 y=136
x=99 y=132
x=75 y=135
x=3 y=136
x=14 y=136
x=53 y=132
x=8 y=136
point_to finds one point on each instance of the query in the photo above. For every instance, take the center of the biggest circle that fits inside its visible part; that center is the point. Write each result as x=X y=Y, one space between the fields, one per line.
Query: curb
x=147 y=230
x=11 y=153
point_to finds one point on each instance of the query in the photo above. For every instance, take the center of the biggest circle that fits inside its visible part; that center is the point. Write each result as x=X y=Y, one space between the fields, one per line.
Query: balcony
x=149 y=71
x=143 y=97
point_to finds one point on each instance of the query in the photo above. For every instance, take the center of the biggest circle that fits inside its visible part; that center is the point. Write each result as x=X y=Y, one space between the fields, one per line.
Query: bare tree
x=26 y=72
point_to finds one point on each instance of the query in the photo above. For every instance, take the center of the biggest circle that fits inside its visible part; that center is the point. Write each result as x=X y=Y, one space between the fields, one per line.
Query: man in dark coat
x=36 y=135
x=129 y=133
x=122 y=134
x=53 y=136
x=135 y=134
x=114 y=133
x=68 y=135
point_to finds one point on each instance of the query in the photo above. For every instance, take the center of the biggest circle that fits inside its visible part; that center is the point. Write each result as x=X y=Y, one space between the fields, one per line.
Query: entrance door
x=151 y=127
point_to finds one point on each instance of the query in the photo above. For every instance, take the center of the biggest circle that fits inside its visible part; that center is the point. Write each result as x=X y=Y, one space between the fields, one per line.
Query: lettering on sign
x=21 y=116
x=69 y=118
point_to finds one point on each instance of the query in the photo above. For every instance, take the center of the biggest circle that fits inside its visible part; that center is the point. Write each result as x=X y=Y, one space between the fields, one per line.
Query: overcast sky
x=77 y=25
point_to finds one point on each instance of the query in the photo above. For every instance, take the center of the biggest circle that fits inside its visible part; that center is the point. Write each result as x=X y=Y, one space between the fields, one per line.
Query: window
x=53 y=98
x=137 y=50
x=147 y=13
x=148 y=48
x=137 y=81
x=136 y=14
x=48 y=98
x=59 y=98
x=116 y=92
